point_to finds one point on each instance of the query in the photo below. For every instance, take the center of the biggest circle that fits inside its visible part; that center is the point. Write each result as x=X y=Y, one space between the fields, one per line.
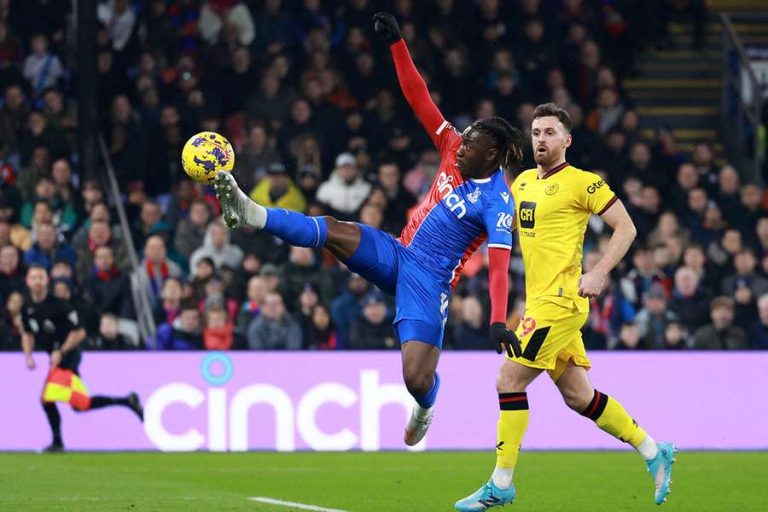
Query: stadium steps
x=735 y=5
x=680 y=88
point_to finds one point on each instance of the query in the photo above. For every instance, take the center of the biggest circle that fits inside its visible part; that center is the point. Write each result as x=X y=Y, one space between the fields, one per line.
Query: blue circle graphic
x=207 y=368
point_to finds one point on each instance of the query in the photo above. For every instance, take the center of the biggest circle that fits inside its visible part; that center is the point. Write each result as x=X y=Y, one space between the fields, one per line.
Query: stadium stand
x=311 y=103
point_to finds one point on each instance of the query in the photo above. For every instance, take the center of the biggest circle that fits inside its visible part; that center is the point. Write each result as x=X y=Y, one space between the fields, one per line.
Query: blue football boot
x=488 y=496
x=660 y=468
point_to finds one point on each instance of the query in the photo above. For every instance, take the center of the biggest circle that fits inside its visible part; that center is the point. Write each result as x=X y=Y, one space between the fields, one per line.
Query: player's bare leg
x=512 y=382
x=421 y=378
x=611 y=416
x=341 y=238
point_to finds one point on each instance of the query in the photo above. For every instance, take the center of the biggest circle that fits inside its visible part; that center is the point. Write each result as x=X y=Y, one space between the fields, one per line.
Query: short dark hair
x=550 y=109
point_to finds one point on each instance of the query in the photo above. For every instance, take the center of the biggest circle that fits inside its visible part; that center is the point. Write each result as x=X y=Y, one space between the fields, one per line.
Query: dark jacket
x=172 y=337
x=730 y=338
x=367 y=336
x=110 y=292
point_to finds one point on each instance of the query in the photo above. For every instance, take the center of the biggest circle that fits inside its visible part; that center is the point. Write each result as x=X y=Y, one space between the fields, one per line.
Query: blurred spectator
x=274 y=328
x=629 y=337
x=399 y=200
x=256 y=155
x=47 y=249
x=758 y=331
x=721 y=333
x=41 y=68
x=373 y=329
x=191 y=230
x=472 y=332
x=10 y=321
x=271 y=276
x=308 y=300
x=219 y=332
x=168 y=308
x=277 y=190
x=674 y=337
x=274 y=105
x=751 y=210
x=218 y=248
x=653 y=319
x=703 y=159
x=11 y=273
x=106 y=286
x=119 y=18
x=667 y=227
x=643 y=274
x=109 y=337
x=184 y=333
x=689 y=301
x=248 y=268
x=13 y=113
x=156 y=268
x=151 y=215
x=63 y=213
x=345 y=190
x=213 y=297
x=608 y=112
x=251 y=307
x=301 y=269
x=217 y=16
x=346 y=307
x=321 y=334
x=99 y=235
x=745 y=286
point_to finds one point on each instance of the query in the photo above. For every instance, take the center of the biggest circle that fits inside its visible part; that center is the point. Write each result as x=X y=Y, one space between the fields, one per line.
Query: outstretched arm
x=411 y=83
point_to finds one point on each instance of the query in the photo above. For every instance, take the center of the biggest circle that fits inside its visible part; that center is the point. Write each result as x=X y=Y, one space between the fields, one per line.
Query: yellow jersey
x=552 y=214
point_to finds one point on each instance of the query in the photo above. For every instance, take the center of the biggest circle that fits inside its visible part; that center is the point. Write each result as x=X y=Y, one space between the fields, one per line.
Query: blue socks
x=427 y=400
x=296 y=228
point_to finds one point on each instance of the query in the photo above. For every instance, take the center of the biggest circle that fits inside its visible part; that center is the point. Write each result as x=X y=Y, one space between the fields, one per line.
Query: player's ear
x=568 y=140
x=492 y=154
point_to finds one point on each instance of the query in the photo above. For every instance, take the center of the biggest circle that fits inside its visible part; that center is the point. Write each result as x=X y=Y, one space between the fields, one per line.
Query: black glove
x=385 y=25
x=504 y=339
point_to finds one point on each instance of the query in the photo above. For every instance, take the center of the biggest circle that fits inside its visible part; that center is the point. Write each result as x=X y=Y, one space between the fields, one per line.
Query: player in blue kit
x=468 y=202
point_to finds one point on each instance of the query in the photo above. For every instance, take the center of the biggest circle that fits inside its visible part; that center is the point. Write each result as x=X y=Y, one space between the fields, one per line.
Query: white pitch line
x=293 y=504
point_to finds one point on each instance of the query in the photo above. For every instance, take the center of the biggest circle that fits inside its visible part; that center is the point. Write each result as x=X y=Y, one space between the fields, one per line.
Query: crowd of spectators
x=310 y=100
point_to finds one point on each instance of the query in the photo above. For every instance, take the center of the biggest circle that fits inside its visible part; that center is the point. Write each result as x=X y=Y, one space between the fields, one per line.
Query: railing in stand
x=742 y=102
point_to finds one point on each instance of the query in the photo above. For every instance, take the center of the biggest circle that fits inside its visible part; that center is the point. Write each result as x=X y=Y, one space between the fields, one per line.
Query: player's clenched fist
x=386 y=27
x=591 y=284
x=504 y=339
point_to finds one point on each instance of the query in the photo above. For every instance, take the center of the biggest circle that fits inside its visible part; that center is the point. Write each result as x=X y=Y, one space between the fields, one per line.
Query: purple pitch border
x=356 y=401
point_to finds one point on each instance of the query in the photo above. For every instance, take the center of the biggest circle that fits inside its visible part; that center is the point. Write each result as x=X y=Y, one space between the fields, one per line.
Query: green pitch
x=371 y=482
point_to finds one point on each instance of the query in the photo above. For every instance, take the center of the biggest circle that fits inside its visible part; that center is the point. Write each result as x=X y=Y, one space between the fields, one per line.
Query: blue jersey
x=461 y=221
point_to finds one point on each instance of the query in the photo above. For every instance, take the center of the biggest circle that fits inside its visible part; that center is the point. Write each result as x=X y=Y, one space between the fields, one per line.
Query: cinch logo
x=527 y=214
x=444 y=185
x=228 y=412
x=595 y=186
x=456 y=204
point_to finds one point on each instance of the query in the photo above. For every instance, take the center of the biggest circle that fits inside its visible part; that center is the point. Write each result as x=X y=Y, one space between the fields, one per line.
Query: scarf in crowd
x=107 y=275
x=153 y=280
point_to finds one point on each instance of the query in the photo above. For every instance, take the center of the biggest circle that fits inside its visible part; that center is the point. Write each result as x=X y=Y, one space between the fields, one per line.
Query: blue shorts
x=421 y=299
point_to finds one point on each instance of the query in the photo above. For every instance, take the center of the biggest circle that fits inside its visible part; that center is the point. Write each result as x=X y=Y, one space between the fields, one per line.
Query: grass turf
x=371 y=482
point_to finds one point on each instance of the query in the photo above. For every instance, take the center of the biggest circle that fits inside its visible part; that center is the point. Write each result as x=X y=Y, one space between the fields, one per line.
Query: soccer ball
x=205 y=154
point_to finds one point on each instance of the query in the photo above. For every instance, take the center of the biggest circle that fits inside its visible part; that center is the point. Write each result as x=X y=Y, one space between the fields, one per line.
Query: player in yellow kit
x=553 y=204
